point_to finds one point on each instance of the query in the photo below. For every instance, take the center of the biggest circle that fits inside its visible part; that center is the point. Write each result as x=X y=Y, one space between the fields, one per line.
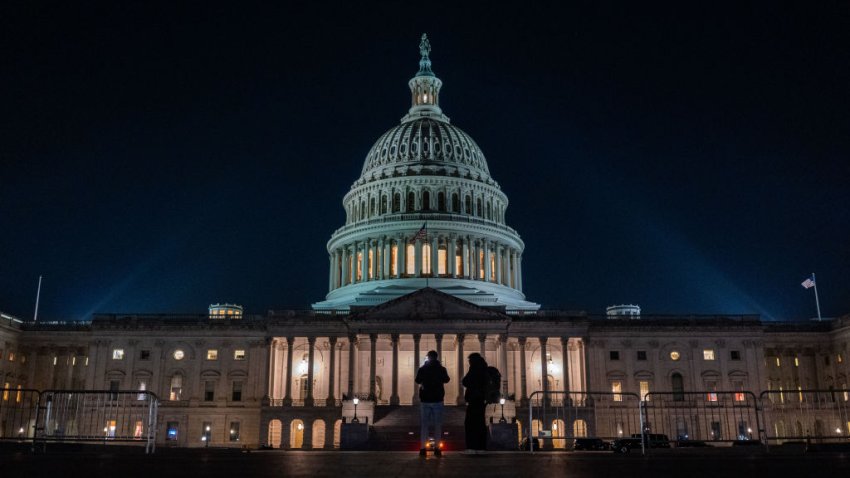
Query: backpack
x=493 y=390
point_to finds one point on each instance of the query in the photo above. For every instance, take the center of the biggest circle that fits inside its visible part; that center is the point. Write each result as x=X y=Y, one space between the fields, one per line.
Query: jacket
x=431 y=378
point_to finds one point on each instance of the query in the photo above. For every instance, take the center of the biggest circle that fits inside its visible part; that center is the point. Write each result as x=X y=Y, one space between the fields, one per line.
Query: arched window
x=372 y=207
x=296 y=434
x=396 y=202
x=318 y=434
x=362 y=210
x=411 y=202
x=176 y=390
x=409 y=260
x=579 y=428
x=337 y=432
x=383 y=204
x=274 y=433
x=468 y=208
x=455 y=203
x=426 y=201
x=441 y=202
x=678 y=386
x=478 y=208
x=558 y=430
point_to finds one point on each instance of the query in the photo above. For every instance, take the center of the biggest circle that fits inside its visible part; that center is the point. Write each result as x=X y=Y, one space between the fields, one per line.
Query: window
x=778 y=362
x=711 y=388
x=644 y=389
x=234 y=431
x=674 y=355
x=178 y=354
x=708 y=354
x=796 y=361
x=206 y=431
x=641 y=354
x=236 y=394
x=171 y=431
x=838 y=358
x=617 y=390
x=18 y=394
x=212 y=354
x=138 y=430
x=145 y=355
x=117 y=354
x=6 y=387
x=55 y=360
x=239 y=354
x=735 y=355
x=110 y=428
x=678 y=386
x=738 y=387
x=209 y=391
x=114 y=385
x=12 y=357
x=614 y=355
x=142 y=387
x=176 y=387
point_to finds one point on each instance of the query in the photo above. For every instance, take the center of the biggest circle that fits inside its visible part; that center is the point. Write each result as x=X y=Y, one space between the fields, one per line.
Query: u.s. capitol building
x=425 y=260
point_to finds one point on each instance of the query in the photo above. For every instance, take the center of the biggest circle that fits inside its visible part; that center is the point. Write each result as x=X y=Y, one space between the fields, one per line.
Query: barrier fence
x=74 y=416
x=686 y=419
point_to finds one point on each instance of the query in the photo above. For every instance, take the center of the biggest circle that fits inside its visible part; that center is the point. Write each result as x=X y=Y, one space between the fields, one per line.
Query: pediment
x=430 y=304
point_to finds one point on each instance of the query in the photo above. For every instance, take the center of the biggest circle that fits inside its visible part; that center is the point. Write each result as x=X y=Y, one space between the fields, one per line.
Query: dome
x=425 y=146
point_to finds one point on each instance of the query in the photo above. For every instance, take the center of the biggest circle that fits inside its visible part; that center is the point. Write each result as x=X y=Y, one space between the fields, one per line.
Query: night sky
x=159 y=158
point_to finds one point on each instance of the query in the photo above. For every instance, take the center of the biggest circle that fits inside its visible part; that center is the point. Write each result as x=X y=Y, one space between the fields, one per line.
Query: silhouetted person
x=431 y=376
x=475 y=382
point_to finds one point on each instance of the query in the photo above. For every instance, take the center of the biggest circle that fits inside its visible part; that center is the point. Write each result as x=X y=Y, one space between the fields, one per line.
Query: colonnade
x=437 y=255
x=509 y=354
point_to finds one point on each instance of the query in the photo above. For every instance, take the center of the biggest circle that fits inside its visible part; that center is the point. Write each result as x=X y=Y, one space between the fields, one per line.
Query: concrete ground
x=96 y=461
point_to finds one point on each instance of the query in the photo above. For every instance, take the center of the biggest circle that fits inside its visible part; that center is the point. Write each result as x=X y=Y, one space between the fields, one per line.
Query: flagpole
x=817 y=302
x=37 y=297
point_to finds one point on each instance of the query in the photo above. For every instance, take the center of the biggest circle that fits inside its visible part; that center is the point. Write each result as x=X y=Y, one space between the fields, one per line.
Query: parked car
x=652 y=440
x=591 y=444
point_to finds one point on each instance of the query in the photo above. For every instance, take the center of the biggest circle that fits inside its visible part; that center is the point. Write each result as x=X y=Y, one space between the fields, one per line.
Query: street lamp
x=502 y=403
x=206 y=437
x=356 y=401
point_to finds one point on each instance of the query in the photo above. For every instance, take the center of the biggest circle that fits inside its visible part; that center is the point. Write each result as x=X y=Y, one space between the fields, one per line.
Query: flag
x=808 y=283
x=423 y=233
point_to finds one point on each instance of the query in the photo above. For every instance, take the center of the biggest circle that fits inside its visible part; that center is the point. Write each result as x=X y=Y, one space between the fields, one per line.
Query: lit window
x=171 y=431
x=778 y=362
x=138 y=430
x=410 y=260
x=18 y=395
x=738 y=387
x=234 y=431
x=239 y=354
x=212 y=354
x=617 y=390
x=674 y=355
x=55 y=360
x=12 y=357
x=176 y=387
x=838 y=358
x=644 y=389
x=110 y=428
x=426 y=258
x=708 y=354
x=178 y=354
x=796 y=361
x=711 y=387
x=117 y=354
x=6 y=391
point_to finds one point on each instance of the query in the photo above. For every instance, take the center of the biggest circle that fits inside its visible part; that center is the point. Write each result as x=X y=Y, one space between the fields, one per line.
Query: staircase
x=397 y=428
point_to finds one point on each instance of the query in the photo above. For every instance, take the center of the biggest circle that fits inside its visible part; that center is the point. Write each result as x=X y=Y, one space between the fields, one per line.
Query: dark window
x=426 y=201
x=209 y=391
x=441 y=202
x=236 y=396
x=678 y=386
x=114 y=385
x=641 y=355
x=735 y=355
x=411 y=202
x=614 y=355
x=145 y=355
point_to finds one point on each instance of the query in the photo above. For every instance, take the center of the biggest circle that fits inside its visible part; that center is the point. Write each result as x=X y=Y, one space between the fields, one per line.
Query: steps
x=397 y=428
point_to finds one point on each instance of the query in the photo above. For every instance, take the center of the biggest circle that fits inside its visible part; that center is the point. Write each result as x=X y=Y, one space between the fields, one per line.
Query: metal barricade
x=555 y=419
x=18 y=410
x=97 y=416
x=695 y=418
x=813 y=416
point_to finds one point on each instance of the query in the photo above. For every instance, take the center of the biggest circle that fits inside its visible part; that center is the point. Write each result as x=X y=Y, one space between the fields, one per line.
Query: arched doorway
x=559 y=430
x=337 y=432
x=579 y=428
x=275 y=427
x=318 y=434
x=296 y=434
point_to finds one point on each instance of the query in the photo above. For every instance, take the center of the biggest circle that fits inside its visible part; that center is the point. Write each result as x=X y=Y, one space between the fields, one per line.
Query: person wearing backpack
x=475 y=381
x=431 y=377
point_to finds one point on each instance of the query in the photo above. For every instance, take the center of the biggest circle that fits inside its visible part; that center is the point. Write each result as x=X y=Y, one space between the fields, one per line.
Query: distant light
x=838 y=430
x=356 y=400
x=501 y=401
x=208 y=428
x=203 y=438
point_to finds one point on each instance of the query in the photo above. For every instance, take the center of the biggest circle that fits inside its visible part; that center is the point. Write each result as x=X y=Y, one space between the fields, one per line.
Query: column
x=331 y=401
x=401 y=251
x=386 y=256
x=373 y=360
x=514 y=283
x=451 y=250
x=519 y=272
x=439 y=339
x=503 y=362
x=352 y=339
x=287 y=399
x=460 y=400
x=417 y=258
x=585 y=351
x=498 y=263
x=482 y=342
x=465 y=256
x=394 y=400
x=435 y=244
x=488 y=272
x=311 y=354
x=523 y=390
x=364 y=263
x=416 y=339
x=272 y=369
x=565 y=367
x=544 y=365
x=346 y=266
x=331 y=273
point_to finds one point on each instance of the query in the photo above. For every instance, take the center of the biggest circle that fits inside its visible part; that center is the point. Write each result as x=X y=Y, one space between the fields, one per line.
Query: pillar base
x=331 y=402
x=395 y=401
x=309 y=402
x=287 y=401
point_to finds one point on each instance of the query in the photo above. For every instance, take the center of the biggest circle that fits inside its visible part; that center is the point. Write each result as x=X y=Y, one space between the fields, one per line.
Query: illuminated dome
x=425 y=213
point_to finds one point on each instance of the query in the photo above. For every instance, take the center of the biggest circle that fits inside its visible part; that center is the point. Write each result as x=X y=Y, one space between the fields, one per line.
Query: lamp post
x=356 y=401
x=502 y=403
x=206 y=437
